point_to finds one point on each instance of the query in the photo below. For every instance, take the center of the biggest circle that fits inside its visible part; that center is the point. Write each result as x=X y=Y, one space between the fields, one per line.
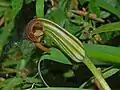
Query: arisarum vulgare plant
x=68 y=43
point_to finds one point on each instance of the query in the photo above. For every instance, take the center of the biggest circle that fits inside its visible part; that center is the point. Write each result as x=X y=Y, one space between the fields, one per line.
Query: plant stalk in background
x=69 y=44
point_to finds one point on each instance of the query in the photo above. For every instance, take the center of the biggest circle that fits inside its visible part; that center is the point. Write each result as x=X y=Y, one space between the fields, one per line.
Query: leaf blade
x=107 y=28
x=40 y=8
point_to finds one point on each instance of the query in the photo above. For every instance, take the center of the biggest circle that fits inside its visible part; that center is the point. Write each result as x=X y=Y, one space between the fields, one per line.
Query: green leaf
x=10 y=15
x=58 y=88
x=64 y=4
x=107 y=27
x=110 y=72
x=104 y=14
x=118 y=4
x=40 y=8
x=93 y=8
x=112 y=2
x=10 y=62
x=104 y=53
x=72 y=28
x=4 y=35
x=108 y=5
x=5 y=3
x=103 y=4
x=11 y=83
x=58 y=18
x=109 y=36
x=16 y=6
x=57 y=56
x=22 y=64
x=27 y=49
x=32 y=80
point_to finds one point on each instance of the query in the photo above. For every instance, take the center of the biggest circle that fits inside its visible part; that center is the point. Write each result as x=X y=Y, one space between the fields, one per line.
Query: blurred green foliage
x=19 y=58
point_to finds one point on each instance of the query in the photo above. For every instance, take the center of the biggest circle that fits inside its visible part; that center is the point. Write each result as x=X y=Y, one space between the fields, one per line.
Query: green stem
x=96 y=73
